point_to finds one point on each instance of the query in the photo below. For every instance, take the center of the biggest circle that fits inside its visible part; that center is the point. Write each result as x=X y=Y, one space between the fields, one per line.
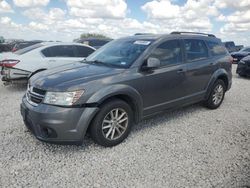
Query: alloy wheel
x=115 y=124
x=218 y=94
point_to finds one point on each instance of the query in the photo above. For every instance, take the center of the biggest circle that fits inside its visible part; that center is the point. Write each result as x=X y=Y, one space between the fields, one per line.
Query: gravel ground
x=190 y=147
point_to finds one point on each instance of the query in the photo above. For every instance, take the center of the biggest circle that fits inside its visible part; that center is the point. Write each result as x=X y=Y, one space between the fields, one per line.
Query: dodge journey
x=124 y=82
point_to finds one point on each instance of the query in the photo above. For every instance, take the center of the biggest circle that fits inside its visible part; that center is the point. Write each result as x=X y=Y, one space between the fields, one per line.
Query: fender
x=119 y=89
x=214 y=77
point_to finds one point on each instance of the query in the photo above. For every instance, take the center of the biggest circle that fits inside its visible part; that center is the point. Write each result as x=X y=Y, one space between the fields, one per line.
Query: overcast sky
x=67 y=19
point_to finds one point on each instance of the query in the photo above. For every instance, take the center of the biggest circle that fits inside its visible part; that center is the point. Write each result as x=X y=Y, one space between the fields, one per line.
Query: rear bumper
x=243 y=69
x=57 y=124
x=12 y=74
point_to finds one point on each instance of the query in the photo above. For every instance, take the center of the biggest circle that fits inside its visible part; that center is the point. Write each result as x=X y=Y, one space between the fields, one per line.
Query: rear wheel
x=217 y=95
x=112 y=124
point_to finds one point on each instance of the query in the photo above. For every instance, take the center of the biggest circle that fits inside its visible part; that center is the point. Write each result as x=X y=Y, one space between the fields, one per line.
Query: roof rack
x=197 y=33
x=143 y=34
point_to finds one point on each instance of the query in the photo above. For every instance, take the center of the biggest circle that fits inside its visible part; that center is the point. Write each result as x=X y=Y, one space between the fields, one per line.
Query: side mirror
x=152 y=63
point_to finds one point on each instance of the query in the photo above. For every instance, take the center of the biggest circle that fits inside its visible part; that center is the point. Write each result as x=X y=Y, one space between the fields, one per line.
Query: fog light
x=48 y=133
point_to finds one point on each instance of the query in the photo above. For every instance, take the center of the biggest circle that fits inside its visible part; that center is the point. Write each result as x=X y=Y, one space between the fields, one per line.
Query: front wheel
x=217 y=95
x=112 y=124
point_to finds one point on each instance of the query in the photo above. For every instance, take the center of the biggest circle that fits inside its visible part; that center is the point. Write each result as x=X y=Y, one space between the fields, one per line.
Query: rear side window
x=59 y=51
x=82 y=51
x=28 y=49
x=195 y=49
x=216 y=48
x=169 y=53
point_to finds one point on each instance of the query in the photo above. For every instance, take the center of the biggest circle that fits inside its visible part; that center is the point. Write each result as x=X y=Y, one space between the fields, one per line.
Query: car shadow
x=166 y=116
x=153 y=121
x=243 y=78
x=16 y=87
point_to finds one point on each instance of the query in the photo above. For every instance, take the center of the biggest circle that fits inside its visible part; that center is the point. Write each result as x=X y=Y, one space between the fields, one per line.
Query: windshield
x=120 y=53
x=27 y=49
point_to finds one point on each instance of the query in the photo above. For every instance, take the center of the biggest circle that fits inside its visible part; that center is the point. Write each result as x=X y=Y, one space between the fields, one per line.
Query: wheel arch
x=219 y=74
x=122 y=92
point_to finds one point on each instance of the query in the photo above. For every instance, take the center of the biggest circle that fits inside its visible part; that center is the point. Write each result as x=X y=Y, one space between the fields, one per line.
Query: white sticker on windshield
x=142 y=42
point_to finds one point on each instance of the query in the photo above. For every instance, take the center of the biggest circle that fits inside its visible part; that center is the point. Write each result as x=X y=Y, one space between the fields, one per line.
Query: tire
x=104 y=128
x=215 y=99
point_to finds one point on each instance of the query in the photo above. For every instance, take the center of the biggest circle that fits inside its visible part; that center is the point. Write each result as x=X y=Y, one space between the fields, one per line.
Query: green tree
x=1 y=39
x=93 y=35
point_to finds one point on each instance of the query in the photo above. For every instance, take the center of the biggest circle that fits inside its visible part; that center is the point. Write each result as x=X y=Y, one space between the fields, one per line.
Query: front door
x=164 y=85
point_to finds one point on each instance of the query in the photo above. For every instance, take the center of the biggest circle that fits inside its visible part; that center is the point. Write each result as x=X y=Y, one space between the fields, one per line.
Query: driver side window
x=169 y=53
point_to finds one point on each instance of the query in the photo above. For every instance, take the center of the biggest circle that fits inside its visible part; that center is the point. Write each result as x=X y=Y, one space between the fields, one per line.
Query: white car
x=26 y=62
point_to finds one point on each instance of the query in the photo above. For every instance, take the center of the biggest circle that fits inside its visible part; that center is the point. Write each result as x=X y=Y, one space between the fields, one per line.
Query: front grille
x=35 y=95
x=39 y=91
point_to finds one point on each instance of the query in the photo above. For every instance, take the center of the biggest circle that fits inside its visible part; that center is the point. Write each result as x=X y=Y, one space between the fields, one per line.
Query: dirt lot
x=190 y=147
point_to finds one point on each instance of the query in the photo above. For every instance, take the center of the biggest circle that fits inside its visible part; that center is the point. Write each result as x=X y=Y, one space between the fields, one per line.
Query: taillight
x=9 y=63
x=231 y=60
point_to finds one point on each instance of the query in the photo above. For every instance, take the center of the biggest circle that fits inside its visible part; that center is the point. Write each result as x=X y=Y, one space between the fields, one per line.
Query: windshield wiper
x=94 y=62
x=99 y=62
x=102 y=63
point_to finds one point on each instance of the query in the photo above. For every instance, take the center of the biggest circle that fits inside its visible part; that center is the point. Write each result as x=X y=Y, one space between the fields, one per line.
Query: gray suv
x=123 y=82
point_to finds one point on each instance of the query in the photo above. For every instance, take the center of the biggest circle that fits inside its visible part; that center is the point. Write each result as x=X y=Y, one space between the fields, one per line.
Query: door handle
x=52 y=60
x=180 y=71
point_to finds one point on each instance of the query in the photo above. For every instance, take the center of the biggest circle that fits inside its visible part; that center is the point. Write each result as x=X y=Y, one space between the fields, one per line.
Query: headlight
x=62 y=98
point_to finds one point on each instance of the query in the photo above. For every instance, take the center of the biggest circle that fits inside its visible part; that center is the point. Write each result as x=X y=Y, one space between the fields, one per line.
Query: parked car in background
x=2 y=40
x=231 y=47
x=28 y=61
x=5 y=47
x=13 y=42
x=24 y=44
x=237 y=56
x=94 y=42
x=123 y=82
x=243 y=67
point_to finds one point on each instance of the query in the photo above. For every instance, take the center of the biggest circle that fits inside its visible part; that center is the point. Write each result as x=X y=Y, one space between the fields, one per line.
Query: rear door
x=200 y=66
x=60 y=55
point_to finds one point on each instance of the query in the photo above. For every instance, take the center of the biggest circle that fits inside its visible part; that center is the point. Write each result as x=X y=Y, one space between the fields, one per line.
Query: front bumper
x=57 y=124
x=243 y=69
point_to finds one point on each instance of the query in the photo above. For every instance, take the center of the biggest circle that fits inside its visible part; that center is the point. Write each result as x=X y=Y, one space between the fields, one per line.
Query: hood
x=246 y=59
x=240 y=54
x=68 y=77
